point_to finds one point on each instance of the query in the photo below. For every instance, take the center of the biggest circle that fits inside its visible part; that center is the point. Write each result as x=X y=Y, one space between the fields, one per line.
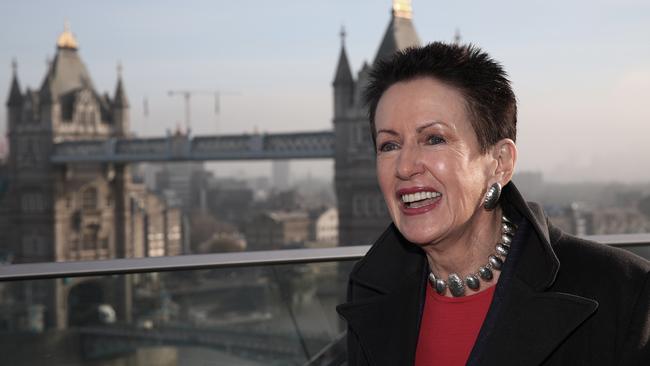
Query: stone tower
x=63 y=212
x=362 y=212
x=59 y=212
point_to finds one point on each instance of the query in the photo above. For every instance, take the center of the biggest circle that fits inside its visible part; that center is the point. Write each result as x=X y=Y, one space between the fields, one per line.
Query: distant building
x=230 y=200
x=325 y=228
x=362 y=212
x=280 y=174
x=182 y=178
x=277 y=230
x=157 y=227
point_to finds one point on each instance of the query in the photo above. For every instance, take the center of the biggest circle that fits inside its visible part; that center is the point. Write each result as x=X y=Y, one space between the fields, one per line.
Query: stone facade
x=362 y=212
x=77 y=211
x=64 y=212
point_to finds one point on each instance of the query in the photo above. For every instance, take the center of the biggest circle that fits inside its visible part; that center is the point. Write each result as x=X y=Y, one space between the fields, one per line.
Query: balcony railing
x=246 y=308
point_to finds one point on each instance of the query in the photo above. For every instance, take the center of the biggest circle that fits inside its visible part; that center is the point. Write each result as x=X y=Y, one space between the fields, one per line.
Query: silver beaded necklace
x=455 y=283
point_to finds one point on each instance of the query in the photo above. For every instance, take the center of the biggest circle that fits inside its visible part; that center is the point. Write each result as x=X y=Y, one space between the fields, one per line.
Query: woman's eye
x=387 y=146
x=435 y=140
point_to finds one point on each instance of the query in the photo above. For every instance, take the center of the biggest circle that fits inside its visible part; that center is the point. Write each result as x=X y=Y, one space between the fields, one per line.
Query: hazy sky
x=580 y=69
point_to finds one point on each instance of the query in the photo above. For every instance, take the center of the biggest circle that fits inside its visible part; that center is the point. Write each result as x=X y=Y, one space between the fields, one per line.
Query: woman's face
x=430 y=170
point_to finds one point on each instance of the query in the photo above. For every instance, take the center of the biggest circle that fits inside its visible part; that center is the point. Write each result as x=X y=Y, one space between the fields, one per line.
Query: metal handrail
x=33 y=271
x=621 y=240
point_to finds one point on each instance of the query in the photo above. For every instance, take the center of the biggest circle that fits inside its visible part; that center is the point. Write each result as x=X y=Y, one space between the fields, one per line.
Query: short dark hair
x=489 y=98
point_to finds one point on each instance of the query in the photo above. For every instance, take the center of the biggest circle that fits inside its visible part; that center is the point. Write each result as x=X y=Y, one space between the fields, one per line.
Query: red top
x=450 y=326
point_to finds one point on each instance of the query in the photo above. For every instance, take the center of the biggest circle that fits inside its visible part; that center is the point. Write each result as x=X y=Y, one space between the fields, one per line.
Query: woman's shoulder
x=588 y=262
x=585 y=251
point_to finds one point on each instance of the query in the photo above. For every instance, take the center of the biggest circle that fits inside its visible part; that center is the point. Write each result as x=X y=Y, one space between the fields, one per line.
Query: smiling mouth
x=419 y=199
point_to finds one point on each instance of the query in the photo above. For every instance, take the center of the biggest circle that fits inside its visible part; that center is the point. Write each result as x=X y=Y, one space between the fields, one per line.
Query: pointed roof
x=400 y=33
x=67 y=72
x=120 y=100
x=15 y=96
x=343 y=72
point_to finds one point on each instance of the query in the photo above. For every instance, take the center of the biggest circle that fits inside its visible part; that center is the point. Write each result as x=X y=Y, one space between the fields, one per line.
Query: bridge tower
x=362 y=212
x=63 y=212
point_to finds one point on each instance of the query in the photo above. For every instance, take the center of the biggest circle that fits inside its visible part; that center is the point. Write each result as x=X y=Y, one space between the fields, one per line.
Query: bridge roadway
x=281 y=146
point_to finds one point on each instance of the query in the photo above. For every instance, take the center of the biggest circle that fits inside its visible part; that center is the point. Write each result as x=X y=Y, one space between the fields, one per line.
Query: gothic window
x=103 y=243
x=357 y=134
x=88 y=116
x=360 y=138
x=32 y=202
x=33 y=246
x=90 y=236
x=369 y=205
x=357 y=202
x=89 y=199
x=28 y=111
x=75 y=221
x=28 y=153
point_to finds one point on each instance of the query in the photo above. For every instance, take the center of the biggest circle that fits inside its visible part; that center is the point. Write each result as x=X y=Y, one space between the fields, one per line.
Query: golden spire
x=402 y=9
x=66 y=39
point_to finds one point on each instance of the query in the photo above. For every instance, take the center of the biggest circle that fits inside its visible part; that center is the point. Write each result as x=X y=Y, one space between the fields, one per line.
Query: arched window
x=89 y=199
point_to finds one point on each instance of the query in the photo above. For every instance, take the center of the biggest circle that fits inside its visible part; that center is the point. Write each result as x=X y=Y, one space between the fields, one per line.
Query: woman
x=468 y=272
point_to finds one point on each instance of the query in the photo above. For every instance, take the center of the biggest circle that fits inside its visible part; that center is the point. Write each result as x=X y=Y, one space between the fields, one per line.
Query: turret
x=120 y=107
x=400 y=33
x=343 y=82
x=15 y=100
x=15 y=96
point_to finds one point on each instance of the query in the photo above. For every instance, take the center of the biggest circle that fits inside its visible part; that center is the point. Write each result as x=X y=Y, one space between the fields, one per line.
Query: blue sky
x=581 y=69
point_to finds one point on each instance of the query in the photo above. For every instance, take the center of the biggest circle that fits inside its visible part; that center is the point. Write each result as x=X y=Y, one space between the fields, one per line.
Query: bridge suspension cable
x=187 y=96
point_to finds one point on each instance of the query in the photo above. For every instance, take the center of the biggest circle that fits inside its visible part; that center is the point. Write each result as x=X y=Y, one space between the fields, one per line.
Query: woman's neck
x=469 y=249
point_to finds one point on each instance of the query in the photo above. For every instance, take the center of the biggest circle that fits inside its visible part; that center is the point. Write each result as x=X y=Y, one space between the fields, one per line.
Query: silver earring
x=492 y=196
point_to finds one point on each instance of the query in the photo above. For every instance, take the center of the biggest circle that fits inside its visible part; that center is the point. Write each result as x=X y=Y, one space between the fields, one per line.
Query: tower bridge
x=295 y=145
x=71 y=194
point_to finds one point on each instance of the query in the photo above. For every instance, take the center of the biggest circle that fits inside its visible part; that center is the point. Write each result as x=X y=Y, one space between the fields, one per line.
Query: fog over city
x=580 y=69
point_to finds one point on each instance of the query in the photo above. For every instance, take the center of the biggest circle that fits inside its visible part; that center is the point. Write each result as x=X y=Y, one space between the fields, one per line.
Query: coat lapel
x=386 y=324
x=387 y=319
x=532 y=324
x=532 y=320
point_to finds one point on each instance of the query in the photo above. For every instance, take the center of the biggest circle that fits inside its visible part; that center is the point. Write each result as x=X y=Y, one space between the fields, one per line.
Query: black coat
x=560 y=300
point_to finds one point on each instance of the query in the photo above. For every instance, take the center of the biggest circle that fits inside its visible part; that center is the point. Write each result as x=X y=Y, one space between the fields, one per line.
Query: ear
x=505 y=154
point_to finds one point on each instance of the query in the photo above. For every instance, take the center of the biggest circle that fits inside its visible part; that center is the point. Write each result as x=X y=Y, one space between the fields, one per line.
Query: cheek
x=385 y=178
x=440 y=167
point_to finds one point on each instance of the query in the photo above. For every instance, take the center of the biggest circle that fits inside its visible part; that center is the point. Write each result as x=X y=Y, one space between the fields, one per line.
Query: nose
x=409 y=163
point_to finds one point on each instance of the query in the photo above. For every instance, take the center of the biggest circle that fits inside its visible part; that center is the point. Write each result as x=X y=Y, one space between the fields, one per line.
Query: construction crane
x=187 y=96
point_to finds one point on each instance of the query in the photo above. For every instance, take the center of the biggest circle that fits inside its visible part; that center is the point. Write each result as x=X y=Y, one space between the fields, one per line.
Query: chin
x=417 y=236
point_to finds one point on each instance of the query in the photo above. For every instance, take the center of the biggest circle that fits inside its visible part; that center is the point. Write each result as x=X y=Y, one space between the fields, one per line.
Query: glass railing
x=250 y=308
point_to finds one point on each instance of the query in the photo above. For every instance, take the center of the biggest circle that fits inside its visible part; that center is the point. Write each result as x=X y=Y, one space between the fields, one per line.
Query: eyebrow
x=427 y=125
x=419 y=129
x=388 y=131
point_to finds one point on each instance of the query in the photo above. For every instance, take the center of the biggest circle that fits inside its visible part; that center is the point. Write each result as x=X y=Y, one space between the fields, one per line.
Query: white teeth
x=419 y=196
